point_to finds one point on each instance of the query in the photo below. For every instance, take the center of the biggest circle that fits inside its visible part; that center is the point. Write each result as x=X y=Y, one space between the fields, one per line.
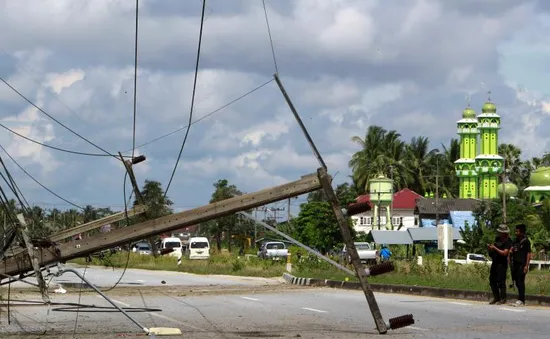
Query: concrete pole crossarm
x=75 y=249
x=98 y=223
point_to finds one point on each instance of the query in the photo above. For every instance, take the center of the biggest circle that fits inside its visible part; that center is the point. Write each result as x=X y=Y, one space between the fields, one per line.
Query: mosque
x=480 y=168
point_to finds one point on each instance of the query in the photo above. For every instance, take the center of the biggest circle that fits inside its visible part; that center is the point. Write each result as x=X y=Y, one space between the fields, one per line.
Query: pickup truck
x=273 y=250
x=365 y=252
x=472 y=258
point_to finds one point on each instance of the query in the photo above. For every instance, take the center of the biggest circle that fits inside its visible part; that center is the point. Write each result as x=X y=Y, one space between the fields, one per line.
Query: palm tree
x=449 y=181
x=512 y=162
x=419 y=160
x=382 y=152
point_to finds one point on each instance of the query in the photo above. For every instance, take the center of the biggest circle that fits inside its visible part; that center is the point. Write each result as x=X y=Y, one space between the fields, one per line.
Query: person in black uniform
x=521 y=255
x=498 y=251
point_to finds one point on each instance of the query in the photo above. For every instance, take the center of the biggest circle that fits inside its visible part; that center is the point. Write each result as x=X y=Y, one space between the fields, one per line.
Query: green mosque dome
x=540 y=177
x=469 y=113
x=489 y=107
x=510 y=190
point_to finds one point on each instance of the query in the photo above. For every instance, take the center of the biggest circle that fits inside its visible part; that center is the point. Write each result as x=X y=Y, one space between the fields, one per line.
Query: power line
x=54 y=119
x=54 y=147
x=270 y=38
x=126 y=218
x=205 y=116
x=192 y=99
x=146 y=143
x=135 y=78
x=38 y=182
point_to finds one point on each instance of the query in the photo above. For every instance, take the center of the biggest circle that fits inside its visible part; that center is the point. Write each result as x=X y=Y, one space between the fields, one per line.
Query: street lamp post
x=437 y=189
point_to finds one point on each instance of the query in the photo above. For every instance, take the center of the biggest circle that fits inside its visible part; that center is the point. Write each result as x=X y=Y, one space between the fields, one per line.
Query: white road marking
x=158 y=315
x=458 y=303
x=248 y=298
x=176 y=321
x=417 y=328
x=313 y=310
x=511 y=309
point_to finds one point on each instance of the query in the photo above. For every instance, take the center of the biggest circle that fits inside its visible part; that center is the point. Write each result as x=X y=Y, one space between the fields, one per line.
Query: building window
x=415 y=221
x=365 y=221
x=396 y=221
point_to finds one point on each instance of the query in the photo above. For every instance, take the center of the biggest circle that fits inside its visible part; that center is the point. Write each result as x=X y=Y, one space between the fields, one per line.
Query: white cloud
x=346 y=64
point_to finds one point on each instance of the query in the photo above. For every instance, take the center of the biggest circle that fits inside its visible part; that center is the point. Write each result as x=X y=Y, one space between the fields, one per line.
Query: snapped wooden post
x=32 y=258
x=350 y=246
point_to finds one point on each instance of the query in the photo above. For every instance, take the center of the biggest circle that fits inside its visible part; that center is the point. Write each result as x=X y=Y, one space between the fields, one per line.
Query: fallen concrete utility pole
x=33 y=261
x=62 y=252
x=92 y=225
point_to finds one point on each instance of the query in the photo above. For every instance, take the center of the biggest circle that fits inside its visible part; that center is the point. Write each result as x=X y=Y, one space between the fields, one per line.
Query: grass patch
x=225 y=264
x=431 y=274
x=472 y=277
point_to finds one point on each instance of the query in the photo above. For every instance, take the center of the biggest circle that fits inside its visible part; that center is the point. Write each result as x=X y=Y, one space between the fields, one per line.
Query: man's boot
x=496 y=296
x=502 y=296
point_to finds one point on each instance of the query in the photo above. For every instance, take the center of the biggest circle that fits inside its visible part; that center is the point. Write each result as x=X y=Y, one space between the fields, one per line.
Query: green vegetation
x=432 y=273
x=224 y=264
x=411 y=164
x=471 y=277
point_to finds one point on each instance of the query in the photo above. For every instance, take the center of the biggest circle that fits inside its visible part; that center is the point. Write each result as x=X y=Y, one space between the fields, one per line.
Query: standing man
x=498 y=251
x=521 y=256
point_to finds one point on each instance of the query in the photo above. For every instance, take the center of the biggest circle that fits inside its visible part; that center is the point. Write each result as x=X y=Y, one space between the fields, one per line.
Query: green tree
x=346 y=194
x=489 y=215
x=222 y=191
x=153 y=197
x=316 y=226
x=158 y=205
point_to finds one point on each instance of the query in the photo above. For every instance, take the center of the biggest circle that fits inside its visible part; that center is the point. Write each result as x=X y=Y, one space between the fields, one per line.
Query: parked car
x=275 y=250
x=142 y=248
x=172 y=243
x=472 y=258
x=199 y=248
x=366 y=253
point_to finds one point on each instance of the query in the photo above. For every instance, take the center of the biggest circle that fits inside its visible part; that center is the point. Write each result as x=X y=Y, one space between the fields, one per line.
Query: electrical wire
x=38 y=182
x=135 y=78
x=15 y=188
x=205 y=116
x=54 y=119
x=79 y=299
x=192 y=99
x=126 y=218
x=148 y=142
x=127 y=225
x=54 y=147
x=270 y=38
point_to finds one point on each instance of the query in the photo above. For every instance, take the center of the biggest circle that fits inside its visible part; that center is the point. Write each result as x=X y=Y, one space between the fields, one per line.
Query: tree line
x=412 y=165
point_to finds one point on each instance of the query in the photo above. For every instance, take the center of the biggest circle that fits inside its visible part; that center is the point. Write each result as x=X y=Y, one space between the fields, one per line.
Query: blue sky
x=347 y=64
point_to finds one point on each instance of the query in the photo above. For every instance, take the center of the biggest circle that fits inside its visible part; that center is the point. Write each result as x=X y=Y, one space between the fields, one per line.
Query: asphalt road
x=305 y=313
x=107 y=277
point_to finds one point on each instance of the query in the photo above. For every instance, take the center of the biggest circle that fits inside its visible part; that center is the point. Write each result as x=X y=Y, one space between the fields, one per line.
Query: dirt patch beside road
x=26 y=293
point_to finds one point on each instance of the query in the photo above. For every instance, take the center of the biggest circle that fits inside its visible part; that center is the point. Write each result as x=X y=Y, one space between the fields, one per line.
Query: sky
x=407 y=65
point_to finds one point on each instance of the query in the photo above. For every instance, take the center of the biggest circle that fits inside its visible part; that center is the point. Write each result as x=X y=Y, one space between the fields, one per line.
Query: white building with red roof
x=402 y=212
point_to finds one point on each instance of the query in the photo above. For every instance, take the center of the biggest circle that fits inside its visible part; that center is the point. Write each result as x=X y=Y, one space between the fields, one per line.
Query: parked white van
x=172 y=243
x=199 y=248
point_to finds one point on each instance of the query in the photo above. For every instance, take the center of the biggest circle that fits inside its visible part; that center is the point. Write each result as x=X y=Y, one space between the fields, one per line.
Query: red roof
x=404 y=199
